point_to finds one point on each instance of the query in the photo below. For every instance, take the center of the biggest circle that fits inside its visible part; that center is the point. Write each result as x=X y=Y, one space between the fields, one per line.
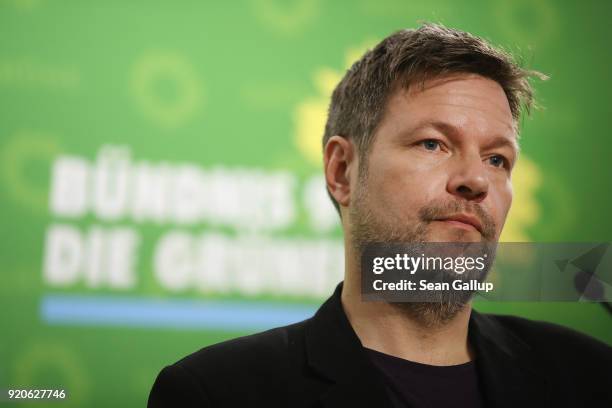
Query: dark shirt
x=416 y=385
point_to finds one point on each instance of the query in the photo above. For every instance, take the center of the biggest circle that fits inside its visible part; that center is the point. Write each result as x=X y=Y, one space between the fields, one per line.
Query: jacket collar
x=335 y=352
x=505 y=364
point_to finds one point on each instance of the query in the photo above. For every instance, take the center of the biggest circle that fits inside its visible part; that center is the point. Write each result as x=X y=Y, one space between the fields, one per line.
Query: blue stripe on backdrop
x=80 y=310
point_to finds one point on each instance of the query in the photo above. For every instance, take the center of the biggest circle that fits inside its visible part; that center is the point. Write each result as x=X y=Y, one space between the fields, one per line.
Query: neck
x=391 y=330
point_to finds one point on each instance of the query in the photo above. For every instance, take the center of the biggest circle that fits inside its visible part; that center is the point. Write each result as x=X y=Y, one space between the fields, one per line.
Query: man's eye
x=497 y=160
x=430 y=144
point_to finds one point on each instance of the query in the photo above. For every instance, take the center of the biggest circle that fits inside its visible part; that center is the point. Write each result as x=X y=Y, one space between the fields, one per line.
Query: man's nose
x=468 y=178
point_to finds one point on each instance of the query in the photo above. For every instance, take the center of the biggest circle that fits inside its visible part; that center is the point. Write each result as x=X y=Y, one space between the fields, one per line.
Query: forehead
x=467 y=102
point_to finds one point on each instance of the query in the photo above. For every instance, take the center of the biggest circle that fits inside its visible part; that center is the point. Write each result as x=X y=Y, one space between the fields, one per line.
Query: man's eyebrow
x=451 y=131
x=442 y=127
x=501 y=141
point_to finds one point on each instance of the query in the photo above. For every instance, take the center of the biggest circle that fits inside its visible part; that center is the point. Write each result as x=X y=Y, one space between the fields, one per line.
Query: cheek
x=401 y=186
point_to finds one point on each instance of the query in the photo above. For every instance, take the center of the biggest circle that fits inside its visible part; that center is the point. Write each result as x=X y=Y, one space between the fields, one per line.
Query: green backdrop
x=158 y=139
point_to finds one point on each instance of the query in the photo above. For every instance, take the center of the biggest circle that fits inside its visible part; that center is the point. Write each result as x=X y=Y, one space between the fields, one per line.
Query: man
x=419 y=146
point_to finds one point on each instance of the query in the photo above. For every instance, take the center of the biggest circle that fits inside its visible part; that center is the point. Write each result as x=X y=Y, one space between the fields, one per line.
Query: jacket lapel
x=335 y=352
x=506 y=366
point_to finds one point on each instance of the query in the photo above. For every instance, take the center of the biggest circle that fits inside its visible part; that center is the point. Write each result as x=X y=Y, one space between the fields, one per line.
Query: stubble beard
x=367 y=227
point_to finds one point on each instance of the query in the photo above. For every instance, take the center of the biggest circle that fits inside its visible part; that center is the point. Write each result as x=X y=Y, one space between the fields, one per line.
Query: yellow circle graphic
x=286 y=19
x=155 y=67
x=525 y=210
x=40 y=359
x=23 y=149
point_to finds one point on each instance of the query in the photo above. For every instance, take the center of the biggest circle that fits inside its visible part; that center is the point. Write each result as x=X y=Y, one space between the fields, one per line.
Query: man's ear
x=340 y=166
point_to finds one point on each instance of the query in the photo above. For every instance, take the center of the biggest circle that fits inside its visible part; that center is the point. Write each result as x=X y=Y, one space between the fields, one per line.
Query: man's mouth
x=465 y=221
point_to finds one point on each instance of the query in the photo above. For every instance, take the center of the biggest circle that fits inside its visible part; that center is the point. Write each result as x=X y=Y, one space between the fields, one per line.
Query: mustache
x=441 y=209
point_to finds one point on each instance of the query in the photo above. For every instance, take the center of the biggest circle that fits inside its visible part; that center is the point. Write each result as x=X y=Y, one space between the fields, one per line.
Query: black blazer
x=320 y=362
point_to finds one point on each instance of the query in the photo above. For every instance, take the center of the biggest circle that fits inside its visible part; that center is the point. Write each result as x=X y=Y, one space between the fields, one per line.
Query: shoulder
x=271 y=346
x=237 y=371
x=575 y=366
x=555 y=342
x=536 y=332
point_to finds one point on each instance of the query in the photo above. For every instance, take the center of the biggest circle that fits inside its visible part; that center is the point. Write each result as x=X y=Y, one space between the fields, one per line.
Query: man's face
x=440 y=163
